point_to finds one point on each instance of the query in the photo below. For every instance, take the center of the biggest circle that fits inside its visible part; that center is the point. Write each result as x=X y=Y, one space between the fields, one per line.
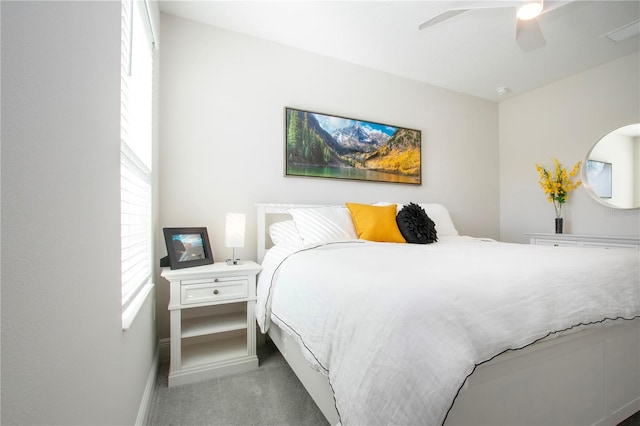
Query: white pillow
x=323 y=224
x=440 y=216
x=285 y=234
x=437 y=213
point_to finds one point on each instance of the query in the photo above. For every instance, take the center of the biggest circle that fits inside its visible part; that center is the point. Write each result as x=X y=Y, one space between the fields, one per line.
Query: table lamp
x=234 y=234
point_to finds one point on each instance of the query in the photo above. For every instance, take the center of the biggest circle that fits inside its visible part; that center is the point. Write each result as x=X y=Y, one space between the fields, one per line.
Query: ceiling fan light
x=529 y=10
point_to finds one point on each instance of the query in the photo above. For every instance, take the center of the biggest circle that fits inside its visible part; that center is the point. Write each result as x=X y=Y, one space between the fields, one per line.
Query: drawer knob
x=216 y=291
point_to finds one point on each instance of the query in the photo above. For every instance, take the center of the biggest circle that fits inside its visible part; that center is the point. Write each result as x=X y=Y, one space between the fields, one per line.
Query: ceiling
x=474 y=53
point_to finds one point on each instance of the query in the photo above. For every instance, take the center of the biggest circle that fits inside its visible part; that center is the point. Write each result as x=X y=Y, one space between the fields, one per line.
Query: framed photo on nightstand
x=187 y=247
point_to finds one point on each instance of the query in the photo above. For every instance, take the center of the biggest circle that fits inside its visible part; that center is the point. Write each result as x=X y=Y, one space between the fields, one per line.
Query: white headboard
x=272 y=213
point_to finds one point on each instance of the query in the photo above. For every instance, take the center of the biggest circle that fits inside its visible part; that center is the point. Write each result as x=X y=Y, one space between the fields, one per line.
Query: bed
x=460 y=331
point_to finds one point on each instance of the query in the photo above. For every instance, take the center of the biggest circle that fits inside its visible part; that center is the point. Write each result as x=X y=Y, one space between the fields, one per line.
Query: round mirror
x=611 y=169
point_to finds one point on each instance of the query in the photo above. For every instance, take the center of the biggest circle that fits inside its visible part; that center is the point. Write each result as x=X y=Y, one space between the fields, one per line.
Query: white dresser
x=587 y=241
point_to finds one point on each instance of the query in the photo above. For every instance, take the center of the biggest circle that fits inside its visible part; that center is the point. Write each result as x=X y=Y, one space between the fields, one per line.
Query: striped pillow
x=285 y=234
x=323 y=224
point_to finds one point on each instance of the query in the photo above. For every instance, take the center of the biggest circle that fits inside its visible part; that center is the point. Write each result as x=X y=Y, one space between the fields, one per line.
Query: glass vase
x=559 y=222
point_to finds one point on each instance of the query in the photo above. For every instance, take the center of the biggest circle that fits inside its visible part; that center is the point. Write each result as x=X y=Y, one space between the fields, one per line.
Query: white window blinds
x=136 y=153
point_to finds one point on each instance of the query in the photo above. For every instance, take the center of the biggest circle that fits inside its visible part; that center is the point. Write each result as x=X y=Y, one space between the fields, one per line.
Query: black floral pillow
x=415 y=226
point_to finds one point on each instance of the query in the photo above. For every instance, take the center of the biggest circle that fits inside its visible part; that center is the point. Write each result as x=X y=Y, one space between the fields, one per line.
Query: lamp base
x=234 y=260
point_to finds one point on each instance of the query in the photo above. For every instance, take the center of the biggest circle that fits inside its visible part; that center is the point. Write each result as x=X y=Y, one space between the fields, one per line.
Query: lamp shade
x=234 y=230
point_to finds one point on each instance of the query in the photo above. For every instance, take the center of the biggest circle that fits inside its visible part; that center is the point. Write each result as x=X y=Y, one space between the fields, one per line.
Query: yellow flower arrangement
x=558 y=185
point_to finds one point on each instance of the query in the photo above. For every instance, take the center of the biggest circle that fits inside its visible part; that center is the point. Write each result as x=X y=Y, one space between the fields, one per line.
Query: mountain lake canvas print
x=320 y=145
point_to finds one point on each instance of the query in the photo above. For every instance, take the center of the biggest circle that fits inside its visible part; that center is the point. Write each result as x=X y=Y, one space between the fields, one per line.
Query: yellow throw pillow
x=376 y=223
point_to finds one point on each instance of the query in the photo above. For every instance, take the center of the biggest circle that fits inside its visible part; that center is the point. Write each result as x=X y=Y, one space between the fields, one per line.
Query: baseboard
x=622 y=414
x=149 y=388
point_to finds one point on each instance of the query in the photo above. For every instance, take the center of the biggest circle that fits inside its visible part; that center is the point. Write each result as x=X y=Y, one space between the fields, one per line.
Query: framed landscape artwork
x=328 y=146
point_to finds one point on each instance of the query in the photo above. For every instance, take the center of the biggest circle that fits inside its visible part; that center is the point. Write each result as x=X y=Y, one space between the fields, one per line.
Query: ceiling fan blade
x=552 y=5
x=466 y=6
x=529 y=35
x=447 y=14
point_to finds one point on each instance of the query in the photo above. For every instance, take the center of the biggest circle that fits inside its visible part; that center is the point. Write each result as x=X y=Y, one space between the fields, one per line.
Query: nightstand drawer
x=221 y=289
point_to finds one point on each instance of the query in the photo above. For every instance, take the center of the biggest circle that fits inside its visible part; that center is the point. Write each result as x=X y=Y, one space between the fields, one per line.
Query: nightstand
x=213 y=326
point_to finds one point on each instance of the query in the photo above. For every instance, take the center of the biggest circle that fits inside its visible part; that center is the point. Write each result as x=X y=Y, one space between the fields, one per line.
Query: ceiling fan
x=528 y=34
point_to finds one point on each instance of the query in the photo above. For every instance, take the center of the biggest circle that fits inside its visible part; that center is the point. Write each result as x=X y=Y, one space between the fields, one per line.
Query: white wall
x=65 y=358
x=222 y=100
x=564 y=120
x=636 y=170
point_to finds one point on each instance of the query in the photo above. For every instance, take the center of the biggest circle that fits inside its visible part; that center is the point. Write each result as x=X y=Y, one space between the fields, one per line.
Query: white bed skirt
x=590 y=377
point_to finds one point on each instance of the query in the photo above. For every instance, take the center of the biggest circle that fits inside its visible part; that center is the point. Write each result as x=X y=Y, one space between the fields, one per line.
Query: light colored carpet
x=269 y=395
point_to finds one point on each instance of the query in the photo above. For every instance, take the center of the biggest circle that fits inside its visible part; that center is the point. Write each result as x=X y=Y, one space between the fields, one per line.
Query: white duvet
x=397 y=328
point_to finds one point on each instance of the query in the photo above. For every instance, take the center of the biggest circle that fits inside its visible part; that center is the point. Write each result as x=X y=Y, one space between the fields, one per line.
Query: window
x=136 y=158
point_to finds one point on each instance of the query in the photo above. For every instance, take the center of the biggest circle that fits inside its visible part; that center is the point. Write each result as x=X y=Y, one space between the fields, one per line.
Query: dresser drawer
x=207 y=291
x=610 y=246
x=584 y=244
x=557 y=243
